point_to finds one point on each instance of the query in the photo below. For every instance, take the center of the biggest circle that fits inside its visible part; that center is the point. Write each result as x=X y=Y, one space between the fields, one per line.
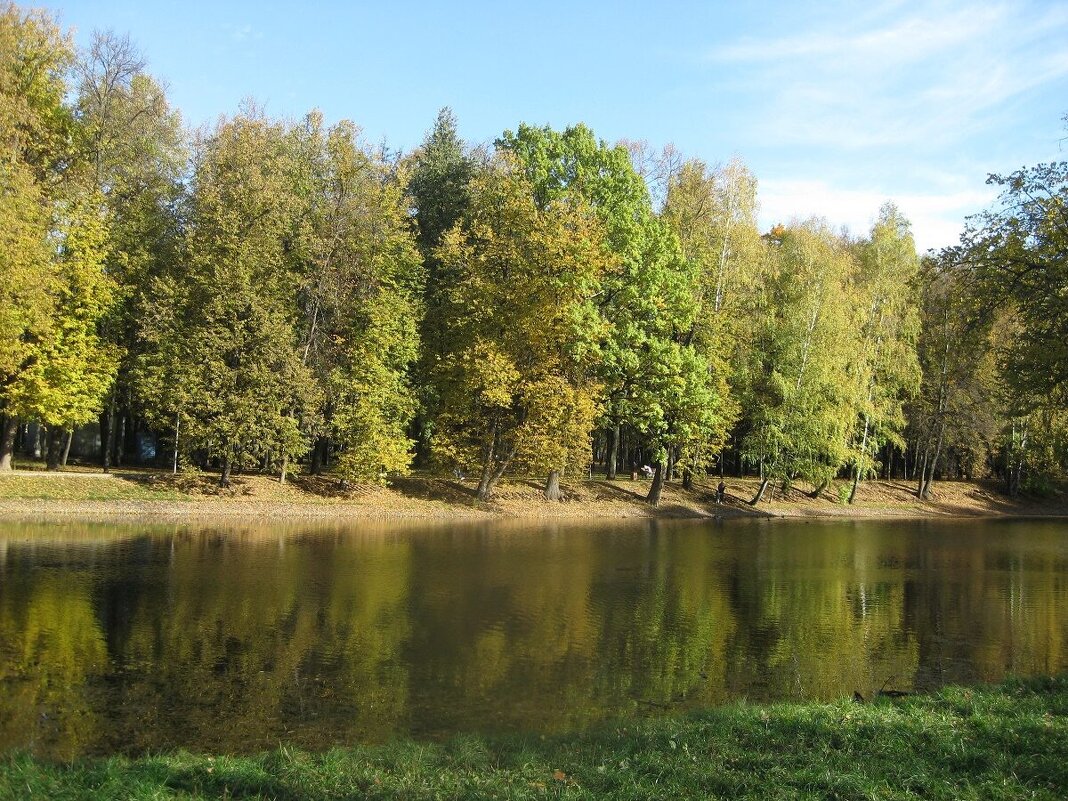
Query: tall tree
x=438 y=184
x=72 y=368
x=134 y=144
x=713 y=213
x=886 y=365
x=800 y=401
x=223 y=360
x=957 y=405
x=647 y=297
x=1016 y=253
x=53 y=367
x=517 y=384
x=362 y=285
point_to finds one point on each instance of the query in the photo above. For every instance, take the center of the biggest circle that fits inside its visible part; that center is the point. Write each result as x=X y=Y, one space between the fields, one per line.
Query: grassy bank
x=1000 y=742
x=158 y=494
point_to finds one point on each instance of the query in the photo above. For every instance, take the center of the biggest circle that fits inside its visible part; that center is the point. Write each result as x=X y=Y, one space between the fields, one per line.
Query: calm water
x=133 y=638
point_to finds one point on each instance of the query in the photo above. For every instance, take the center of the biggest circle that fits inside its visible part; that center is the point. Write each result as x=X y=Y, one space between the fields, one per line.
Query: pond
x=234 y=639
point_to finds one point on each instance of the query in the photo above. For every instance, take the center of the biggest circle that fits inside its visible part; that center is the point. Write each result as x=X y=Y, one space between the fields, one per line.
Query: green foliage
x=959 y=402
x=654 y=382
x=1012 y=261
x=1017 y=253
x=517 y=383
x=64 y=381
x=362 y=283
x=886 y=365
x=800 y=397
x=440 y=172
x=293 y=285
x=222 y=351
x=34 y=126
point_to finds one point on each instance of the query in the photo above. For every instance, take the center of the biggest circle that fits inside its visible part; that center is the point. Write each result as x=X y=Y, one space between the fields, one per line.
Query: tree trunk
x=66 y=446
x=319 y=455
x=107 y=434
x=491 y=475
x=224 y=479
x=613 y=452
x=485 y=480
x=856 y=483
x=8 y=432
x=285 y=466
x=819 y=490
x=55 y=448
x=922 y=471
x=760 y=493
x=552 y=487
x=120 y=443
x=860 y=466
x=177 y=432
x=658 y=485
x=926 y=494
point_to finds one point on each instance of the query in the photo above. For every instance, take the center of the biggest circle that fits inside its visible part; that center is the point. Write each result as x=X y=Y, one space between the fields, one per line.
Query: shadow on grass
x=443 y=490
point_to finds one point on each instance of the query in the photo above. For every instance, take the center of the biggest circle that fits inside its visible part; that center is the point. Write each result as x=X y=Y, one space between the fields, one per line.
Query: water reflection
x=135 y=638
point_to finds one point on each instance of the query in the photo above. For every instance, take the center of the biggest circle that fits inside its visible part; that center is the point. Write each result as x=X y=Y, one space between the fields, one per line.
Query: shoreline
x=143 y=495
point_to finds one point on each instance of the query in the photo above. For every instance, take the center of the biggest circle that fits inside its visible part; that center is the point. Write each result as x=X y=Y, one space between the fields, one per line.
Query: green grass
x=1008 y=741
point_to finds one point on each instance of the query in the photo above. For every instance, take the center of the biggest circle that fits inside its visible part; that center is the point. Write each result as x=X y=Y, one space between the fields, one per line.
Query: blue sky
x=835 y=110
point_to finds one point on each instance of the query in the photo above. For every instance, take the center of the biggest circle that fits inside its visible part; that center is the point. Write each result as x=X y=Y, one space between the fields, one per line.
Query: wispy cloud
x=903 y=40
x=899 y=76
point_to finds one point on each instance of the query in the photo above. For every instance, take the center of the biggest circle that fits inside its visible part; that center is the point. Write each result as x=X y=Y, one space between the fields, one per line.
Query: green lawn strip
x=1001 y=742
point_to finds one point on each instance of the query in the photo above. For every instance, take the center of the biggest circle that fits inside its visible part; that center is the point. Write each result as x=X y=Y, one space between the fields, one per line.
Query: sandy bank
x=161 y=496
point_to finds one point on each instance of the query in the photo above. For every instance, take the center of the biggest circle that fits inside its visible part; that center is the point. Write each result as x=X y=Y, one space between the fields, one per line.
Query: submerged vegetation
x=277 y=295
x=1003 y=742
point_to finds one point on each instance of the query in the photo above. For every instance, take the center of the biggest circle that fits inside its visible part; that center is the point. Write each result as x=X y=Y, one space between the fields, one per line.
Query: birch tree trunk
x=613 y=452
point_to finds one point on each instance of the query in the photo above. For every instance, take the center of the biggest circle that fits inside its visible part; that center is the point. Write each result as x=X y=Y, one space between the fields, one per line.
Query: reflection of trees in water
x=51 y=651
x=235 y=643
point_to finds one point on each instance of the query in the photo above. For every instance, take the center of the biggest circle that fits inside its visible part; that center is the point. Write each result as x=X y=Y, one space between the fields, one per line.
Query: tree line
x=271 y=294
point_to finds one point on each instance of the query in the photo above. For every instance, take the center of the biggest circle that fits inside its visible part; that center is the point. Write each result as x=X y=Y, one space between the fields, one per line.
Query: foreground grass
x=1008 y=741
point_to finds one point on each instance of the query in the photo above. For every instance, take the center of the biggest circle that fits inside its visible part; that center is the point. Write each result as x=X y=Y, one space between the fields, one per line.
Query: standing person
x=721 y=492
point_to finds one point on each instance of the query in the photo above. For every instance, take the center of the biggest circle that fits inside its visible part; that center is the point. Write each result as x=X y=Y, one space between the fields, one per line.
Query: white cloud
x=937 y=218
x=906 y=40
x=909 y=75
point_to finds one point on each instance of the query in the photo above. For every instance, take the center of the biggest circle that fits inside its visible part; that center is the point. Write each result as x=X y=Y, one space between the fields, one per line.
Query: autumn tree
x=222 y=360
x=886 y=366
x=647 y=297
x=440 y=171
x=1016 y=253
x=958 y=404
x=517 y=384
x=800 y=398
x=134 y=146
x=362 y=285
x=713 y=213
x=53 y=366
